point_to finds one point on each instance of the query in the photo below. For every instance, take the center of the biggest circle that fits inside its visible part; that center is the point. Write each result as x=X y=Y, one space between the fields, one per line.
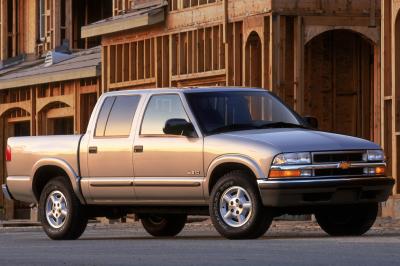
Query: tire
x=255 y=218
x=352 y=220
x=164 y=225
x=68 y=219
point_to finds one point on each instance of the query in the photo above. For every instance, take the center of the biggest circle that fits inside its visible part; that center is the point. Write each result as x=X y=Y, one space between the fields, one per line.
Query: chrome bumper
x=6 y=192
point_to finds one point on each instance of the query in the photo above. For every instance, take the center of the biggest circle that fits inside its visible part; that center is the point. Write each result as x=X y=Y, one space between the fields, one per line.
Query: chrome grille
x=338 y=157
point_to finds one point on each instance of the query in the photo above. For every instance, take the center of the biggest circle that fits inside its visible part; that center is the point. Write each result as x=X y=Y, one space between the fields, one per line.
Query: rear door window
x=118 y=117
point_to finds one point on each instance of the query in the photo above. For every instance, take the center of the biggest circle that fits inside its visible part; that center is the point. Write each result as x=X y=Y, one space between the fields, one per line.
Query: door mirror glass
x=180 y=127
x=311 y=121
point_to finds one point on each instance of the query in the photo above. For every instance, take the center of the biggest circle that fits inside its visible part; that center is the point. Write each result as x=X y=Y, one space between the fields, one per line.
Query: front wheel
x=236 y=208
x=351 y=220
x=62 y=215
x=164 y=225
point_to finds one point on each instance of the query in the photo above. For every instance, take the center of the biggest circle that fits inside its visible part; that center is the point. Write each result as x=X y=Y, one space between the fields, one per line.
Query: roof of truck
x=184 y=89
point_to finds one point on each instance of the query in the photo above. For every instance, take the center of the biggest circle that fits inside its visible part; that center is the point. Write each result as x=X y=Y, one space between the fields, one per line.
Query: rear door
x=110 y=149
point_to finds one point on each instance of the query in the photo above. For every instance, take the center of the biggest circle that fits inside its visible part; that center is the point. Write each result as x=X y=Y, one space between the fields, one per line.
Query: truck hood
x=296 y=140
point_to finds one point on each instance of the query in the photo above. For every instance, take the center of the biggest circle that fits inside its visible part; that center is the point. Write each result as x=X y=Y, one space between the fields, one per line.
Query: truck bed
x=29 y=152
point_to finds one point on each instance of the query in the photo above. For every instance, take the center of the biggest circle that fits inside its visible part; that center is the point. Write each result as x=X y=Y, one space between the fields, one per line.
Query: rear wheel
x=352 y=220
x=61 y=214
x=236 y=209
x=163 y=225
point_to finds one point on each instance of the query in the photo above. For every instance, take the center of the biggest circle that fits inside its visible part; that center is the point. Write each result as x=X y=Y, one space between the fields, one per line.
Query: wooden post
x=77 y=107
x=3 y=29
x=33 y=92
x=274 y=52
x=68 y=22
x=226 y=20
x=56 y=23
x=395 y=64
x=299 y=65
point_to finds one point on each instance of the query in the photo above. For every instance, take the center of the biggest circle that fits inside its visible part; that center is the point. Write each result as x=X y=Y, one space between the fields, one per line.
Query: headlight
x=292 y=158
x=374 y=155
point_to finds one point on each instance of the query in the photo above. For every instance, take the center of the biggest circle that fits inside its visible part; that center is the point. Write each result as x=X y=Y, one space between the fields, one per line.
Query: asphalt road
x=199 y=245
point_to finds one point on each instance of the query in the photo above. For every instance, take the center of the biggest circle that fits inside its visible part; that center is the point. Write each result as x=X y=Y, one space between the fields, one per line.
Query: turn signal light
x=284 y=173
x=8 y=153
x=380 y=170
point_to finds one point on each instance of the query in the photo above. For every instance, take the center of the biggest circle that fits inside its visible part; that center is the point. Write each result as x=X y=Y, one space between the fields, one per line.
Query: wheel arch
x=48 y=168
x=227 y=163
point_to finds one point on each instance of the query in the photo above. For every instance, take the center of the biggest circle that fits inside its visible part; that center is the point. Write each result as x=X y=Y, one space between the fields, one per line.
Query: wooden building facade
x=335 y=60
x=46 y=99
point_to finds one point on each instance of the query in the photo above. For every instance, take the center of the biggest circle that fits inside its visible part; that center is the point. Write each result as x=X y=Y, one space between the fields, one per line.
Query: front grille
x=335 y=157
x=338 y=157
x=339 y=172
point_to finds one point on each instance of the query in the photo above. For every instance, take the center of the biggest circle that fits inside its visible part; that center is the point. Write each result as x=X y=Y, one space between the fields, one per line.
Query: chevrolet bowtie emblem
x=344 y=165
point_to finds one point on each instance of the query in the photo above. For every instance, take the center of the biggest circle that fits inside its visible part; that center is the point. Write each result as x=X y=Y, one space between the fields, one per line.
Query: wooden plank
x=211 y=73
x=126 y=85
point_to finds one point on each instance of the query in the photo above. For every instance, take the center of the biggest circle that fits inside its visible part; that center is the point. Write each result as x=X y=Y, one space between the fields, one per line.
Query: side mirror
x=311 y=121
x=179 y=127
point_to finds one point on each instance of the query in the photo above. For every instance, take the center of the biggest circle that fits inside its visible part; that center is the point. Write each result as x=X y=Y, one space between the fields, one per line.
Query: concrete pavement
x=300 y=243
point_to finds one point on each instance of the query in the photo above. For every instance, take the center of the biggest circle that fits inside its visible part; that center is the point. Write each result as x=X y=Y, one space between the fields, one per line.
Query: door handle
x=138 y=148
x=93 y=149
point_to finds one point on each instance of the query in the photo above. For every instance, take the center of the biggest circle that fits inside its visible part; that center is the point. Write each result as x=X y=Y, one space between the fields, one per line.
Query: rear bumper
x=6 y=192
x=314 y=192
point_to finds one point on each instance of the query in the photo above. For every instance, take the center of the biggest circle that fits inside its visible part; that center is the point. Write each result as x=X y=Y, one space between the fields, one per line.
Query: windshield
x=224 y=111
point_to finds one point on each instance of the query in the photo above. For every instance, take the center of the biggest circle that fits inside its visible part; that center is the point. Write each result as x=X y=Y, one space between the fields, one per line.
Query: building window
x=42 y=18
x=13 y=9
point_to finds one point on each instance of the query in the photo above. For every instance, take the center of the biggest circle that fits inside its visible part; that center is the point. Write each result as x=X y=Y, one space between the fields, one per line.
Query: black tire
x=75 y=222
x=351 y=220
x=164 y=225
x=256 y=222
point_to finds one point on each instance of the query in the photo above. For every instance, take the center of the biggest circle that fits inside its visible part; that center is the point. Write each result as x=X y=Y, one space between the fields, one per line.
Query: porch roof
x=143 y=16
x=83 y=64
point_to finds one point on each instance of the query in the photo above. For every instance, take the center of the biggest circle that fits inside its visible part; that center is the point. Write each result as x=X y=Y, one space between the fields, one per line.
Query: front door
x=110 y=151
x=168 y=168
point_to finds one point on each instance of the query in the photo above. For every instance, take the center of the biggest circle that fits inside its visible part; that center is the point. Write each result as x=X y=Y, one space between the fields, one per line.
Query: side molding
x=72 y=175
x=231 y=158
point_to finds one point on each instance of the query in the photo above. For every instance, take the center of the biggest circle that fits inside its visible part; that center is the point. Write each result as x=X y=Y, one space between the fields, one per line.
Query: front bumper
x=6 y=192
x=332 y=191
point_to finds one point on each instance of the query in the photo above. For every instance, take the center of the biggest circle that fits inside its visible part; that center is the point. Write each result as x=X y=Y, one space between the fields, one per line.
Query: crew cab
x=239 y=155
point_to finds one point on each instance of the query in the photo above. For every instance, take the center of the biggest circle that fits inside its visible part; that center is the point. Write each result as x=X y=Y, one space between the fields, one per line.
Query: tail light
x=8 y=153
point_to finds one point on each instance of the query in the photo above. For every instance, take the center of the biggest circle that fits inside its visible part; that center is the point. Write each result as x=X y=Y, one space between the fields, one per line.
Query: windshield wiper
x=233 y=127
x=282 y=125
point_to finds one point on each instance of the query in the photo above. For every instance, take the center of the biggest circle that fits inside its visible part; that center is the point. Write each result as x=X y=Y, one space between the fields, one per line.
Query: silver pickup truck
x=237 y=154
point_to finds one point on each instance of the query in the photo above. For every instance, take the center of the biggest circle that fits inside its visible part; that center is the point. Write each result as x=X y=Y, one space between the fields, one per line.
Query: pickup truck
x=239 y=155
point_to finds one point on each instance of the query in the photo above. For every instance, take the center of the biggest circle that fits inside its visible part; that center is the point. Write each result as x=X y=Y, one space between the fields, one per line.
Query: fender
x=72 y=175
x=231 y=158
